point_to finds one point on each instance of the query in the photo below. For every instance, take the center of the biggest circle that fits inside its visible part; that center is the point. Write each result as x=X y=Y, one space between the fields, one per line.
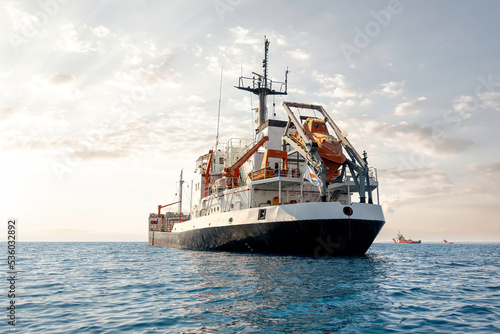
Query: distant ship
x=401 y=240
x=286 y=191
x=446 y=242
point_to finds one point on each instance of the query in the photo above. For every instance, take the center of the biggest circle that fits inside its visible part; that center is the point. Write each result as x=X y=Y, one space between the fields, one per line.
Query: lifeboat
x=329 y=148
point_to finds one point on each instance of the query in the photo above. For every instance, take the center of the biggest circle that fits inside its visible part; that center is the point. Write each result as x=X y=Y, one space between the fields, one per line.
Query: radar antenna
x=262 y=86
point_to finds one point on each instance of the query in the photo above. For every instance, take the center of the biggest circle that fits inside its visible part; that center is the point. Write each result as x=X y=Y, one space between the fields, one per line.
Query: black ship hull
x=318 y=238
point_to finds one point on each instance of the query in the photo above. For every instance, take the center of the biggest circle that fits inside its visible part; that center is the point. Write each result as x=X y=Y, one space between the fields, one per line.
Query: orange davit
x=329 y=148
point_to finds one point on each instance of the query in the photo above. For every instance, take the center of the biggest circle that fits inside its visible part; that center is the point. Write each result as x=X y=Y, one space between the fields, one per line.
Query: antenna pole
x=266 y=53
x=264 y=89
x=251 y=116
x=218 y=113
x=180 y=195
x=262 y=86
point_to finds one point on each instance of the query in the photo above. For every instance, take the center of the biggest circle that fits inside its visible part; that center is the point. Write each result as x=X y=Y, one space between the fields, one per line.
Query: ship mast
x=218 y=113
x=262 y=86
x=181 y=181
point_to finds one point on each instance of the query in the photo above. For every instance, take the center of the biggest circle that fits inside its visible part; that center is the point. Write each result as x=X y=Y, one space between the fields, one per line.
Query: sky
x=102 y=103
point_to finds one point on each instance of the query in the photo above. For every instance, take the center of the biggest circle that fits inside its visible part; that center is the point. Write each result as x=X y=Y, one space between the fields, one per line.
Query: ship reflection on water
x=281 y=292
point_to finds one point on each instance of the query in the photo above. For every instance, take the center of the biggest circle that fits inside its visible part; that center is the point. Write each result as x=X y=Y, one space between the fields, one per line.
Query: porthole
x=348 y=211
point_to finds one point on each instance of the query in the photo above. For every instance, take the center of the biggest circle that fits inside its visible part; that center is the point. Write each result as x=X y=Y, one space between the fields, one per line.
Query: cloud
x=334 y=87
x=85 y=39
x=298 y=54
x=390 y=89
x=297 y=91
x=245 y=52
x=409 y=108
x=415 y=137
x=195 y=98
x=490 y=100
x=103 y=142
x=366 y=102
x=466 y=105
x=231 y=50
x=22 y=125
x=70 y=41
x=484 y=179
x=347 y=103
x=100 y=31
x=34 y=143
x=492 y=168
x=21 y=20
x=155 y=74
x=60 y=79
x=197 y=50
x=6 y=113
x=130 y=139
x=242 y=36
x=137 y=53
x=139 y=82
x=422 y=184
x=389 y=202
x=433 y=175
x=213 y=63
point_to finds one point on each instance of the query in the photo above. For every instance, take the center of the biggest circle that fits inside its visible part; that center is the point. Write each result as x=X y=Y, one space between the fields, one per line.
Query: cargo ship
x=298 y=187
x=400 y=239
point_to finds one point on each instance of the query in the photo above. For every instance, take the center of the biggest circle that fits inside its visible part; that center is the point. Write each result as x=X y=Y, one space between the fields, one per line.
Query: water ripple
x=134 y=288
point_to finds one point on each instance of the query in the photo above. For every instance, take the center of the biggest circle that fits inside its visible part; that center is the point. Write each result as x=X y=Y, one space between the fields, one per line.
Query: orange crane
x=233 y=172
x=265 y=172
x=160 y=219
x=164 y=206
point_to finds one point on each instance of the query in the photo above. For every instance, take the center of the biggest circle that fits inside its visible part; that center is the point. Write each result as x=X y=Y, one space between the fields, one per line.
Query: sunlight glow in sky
x=102 y=103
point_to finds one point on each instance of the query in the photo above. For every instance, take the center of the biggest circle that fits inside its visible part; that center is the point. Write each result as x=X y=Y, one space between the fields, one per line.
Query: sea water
x=136 y=288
